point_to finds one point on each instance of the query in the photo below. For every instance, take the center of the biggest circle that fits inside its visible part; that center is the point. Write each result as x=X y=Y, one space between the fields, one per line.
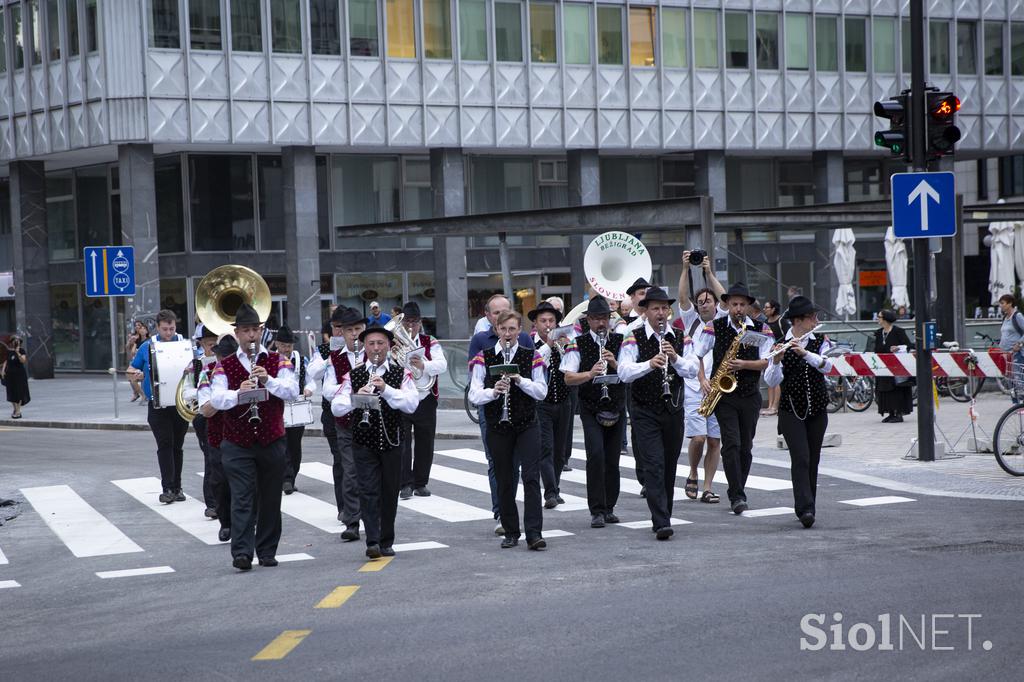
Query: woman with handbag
x=894 y=395
x=15 y=376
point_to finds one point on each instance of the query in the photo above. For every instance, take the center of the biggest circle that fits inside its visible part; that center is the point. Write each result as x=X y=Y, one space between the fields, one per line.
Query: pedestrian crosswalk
x=82 y=529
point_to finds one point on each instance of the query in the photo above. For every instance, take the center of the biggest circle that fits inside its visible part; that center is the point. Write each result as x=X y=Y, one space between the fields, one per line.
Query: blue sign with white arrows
x=923 y=205
x=109 y=271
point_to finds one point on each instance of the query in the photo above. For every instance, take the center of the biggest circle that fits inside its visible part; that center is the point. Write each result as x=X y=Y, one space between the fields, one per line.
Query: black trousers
x=637 y=445
x=603 y=445
x=660 y=437
x=293 y=440
x=737 y=420
x=343 y=469
x=804 y=440
x=209 y=497
x=255 y=475
x=417 y=459
x=508 y=447
x=554 y=422
x=221 y=488
x=378 y=492
x=169 y=430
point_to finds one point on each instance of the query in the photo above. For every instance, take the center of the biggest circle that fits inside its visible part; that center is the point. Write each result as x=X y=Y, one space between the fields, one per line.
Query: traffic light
x=942 y=133
x=897 y=138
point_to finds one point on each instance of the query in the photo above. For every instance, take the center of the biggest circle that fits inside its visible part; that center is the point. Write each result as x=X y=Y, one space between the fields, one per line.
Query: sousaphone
x=611 y=263
x=223 y=291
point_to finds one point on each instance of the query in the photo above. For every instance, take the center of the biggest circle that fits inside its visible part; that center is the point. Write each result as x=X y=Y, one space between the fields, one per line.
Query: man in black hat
x=633 y=320
x=204 y=361
x=737 y=412
x=377 y=434
x=332 y=362
x=602 y=412
x=425 y=364
x=225 y=347
x=253 y=449
x=285 y=345
x=654 y=360
x=554 y=413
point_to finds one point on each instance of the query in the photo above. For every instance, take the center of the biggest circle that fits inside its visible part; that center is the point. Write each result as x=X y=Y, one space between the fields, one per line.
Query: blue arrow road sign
x=923 y=205
x=109 y=271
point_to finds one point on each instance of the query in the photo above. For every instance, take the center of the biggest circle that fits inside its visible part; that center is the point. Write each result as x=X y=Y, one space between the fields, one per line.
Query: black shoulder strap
x=693 y=327
x=1016 y=322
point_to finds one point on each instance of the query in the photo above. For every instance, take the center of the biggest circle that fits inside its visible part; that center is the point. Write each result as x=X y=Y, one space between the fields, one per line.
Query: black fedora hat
x=227 y=345
x=411 y=311
x=544 y=307
x=347 y=317
x=284 y=334
x=376 y=329
x=640 y=283
x=738 y=289
x=656 y=294
x=598 y=305
x=798 y=307
x=247 y=315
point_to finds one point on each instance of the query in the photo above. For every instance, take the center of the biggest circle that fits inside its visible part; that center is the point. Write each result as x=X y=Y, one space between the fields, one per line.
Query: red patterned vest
x=425 y=341
x=339 y=358
x=236 y=426
x=214 y=424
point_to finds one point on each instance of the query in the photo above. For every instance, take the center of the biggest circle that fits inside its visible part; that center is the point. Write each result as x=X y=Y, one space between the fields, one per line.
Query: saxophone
x=723 y=380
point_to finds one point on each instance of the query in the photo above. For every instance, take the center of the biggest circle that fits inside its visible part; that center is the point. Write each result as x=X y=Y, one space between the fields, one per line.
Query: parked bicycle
x=1008 y=438
x=855 y=393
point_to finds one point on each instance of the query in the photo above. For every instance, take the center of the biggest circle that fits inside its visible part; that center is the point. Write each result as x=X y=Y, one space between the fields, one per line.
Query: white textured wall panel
x=441 y=126
x=250 y=122
x=168 y=120
x=330 y=123
x=405 y=125
x=327 y=79
x=369 y=122
x=512 y=127
x=291 y=123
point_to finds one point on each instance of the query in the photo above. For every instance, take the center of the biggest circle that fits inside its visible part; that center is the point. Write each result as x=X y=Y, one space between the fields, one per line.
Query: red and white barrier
x=994 y=363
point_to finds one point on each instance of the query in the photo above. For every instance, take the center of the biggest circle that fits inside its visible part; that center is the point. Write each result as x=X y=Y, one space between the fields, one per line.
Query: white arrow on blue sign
x=109 y=271
x=923 y=205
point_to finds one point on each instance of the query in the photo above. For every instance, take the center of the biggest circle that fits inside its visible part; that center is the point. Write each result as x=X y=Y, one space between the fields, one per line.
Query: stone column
x=138 y=229
x=448 y=185
x=301 y=237
x=32 y=265
x=829 y=188
x=584 y=176
x=709 y=180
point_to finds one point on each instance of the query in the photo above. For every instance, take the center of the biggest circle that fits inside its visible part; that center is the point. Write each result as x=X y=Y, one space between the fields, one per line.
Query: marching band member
x=332 y=366
x=554 y=413
x=803 y=416
x=377 y=434
x=603 y=418
x=737 y=412
x=285 y=344
x=253 y=448
x=226 y=347
x=657 y=402
x=206 y=340
x=513 y=435
x=416 y=469
x=632 y=320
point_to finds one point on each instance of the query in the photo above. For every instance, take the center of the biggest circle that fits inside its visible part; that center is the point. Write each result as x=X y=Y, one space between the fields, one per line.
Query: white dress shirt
x=707 y=341
x=773 y=375
x=630 y=369
x=438 y=363
x=284 y=386
x=536 y=387
x=404 y=399
x=571 y=356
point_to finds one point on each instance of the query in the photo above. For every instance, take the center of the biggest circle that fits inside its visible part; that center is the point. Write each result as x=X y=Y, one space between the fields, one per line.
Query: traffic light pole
x=922 y=272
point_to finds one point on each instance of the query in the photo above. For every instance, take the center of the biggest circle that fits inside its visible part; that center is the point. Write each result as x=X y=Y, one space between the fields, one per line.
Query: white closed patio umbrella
x=844 y=262
x=896 y=264
x=1001 y=271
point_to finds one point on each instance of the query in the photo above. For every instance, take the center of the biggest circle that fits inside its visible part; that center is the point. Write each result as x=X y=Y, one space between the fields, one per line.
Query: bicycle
x=1003 y=382
x=855 y=393
x=1008 y=437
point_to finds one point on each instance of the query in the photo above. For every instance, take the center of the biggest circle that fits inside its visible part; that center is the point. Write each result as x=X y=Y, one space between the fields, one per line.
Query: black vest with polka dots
x=747 y=380
x=558 y=392
x=590 y=353
x=377 y=436
x=803 y=387
x=522 y=409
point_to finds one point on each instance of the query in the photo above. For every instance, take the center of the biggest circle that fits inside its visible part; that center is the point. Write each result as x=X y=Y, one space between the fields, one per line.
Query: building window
x=91 y=27
x=500 y=184
x=221 y=202
x=93 y=205
x=473 y=30
x=628 y=179
x=437 y=29
x=204 y=24
x=737 y=42
x=609 y=35
x=417 y=198
x=401 y=28
x=246 y=26
x=67 y=340
x=170 y=214
x=3 y=41
x=576 y=26
x=673 y=37
x=798 y=40
x=826 y=44
x=993 y=49
x=856 y=44
x=364 y=190
x=705 y=39
x=269 y=181
x=938 y=46
x=641 y=36
x=905 y=45
x=883 y=44
x=1017 y=49
x=677 y=178
x=71 y=23
x=363 y=39
x=552 y=183
x=796 y=183
x=286 y=26
x=324 y=27
x=164 y=26
x=966 y=47
x=18 y=32
x=60 y=216
x=766 y=38
x=543 y=39
x=1011 y=176
x=36 y=31
x=53 y=29
x=508 y=31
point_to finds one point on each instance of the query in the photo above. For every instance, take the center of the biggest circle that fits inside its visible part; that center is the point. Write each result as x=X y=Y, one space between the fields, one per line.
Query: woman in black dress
x=894 y=395
x=779 y=326
x=15 y=377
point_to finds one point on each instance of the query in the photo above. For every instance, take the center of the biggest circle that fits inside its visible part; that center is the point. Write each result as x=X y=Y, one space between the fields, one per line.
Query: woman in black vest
x=510 y=408
x=894 y=395
x=803 y=399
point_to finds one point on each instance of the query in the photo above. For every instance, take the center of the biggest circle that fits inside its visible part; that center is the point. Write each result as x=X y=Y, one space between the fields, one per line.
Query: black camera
x=697 y=256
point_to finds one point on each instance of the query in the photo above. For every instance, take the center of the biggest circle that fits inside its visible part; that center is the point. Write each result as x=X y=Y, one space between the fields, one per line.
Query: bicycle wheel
x=860 y=393
x=1004 y=385
x=834 y=386
x=959 y=389
x=470 y=407
x=1008 y=441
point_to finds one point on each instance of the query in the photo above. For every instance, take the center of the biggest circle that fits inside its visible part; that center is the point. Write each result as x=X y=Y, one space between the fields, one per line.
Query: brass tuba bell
x=223 y=291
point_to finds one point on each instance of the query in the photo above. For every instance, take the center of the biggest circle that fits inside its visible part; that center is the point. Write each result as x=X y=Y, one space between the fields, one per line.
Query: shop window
x=798 y=39
x=628 y=179
x=966 y=47
x=324 y=27
x=641 y=36
x=221 y=202
x=437 y=29
x=737 y=42
x=60 y=216
x=883 y=44
x=993 y=49
x=766 y=37
x=826 y=43
x=856 y=44
x=576 y=29
x=67 y=346
x=938 y=46
x=170 y=214
x=93 y=205
x=246 y=26
x=270 y=181
x=705 y=39
x=500 y=184
x=543 y=47
x=473 y=30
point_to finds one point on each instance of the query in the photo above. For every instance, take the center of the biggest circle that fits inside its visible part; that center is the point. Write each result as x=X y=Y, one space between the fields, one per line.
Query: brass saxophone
x=723 y=380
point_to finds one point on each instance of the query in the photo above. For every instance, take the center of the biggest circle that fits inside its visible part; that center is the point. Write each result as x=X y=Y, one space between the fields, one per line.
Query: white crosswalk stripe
x=753 y=482
x=872 y=501
x=479 y=482
x=79 y=526
x=187 y=515
x=3 y=557
x=7 y=584
x=770 y=511
x=132 y=572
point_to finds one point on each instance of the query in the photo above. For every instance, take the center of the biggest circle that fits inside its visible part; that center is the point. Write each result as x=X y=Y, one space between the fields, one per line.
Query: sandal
x=709 y=497
x=691 y=488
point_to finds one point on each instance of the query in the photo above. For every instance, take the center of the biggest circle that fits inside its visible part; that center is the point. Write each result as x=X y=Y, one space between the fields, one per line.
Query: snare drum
x=298 y=413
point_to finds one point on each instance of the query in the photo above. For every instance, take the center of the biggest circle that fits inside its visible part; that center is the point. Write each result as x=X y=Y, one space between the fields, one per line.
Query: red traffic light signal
x=942 y=133
x=944 y=107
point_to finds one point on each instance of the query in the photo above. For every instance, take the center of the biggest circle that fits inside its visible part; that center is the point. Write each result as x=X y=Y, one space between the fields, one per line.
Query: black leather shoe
x=566 y=467
x=551 y=503
x=536 y=544
x=373 y=551
x=210 y=513
x=664 y=533
x=807 y=518
x=597 y=521
x=421 y=491
x=242 y=563
x=739 y=506
x=179 y=496
x=224 y=534
x=558 y=498
x=268 y=561
x=643 y=491
x=166 y=497
x=350 y=533
x=387 y=551
x=288 y=487
x=406 y=493
x=509 y=541
x=611 y=518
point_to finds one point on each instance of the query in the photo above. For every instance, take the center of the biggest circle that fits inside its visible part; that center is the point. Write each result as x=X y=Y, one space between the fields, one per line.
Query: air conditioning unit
x=6 y=285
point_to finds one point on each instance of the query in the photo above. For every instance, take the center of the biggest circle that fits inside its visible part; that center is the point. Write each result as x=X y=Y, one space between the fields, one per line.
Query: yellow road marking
x=376 y=564
x=339 y=596
x=282 y=645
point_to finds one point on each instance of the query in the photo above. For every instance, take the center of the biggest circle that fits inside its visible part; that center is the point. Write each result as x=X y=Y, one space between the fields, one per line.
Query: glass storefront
x=67 y=349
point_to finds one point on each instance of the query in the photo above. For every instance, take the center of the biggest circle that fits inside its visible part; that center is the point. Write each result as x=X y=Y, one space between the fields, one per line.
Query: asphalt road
x=724 y=598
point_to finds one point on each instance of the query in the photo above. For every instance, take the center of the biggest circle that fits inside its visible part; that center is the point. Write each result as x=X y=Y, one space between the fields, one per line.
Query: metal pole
x=506 y=270
x=922 y=285
x=113 y=347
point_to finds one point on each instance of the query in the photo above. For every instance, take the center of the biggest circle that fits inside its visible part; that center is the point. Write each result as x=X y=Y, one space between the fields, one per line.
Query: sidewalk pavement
x=871 y=452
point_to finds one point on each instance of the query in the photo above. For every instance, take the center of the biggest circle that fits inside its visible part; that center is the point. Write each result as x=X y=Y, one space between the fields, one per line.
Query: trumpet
x=376 y=362
x=602 y=340
x=506 y=346
x=254 y=408
x=792 y=342
x=666 y=390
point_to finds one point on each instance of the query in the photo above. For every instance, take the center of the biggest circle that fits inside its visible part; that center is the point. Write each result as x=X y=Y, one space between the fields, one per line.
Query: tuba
x=723 y=380
x=404 y=344
x=222 y=292
x=186 y=402
x=613 y=261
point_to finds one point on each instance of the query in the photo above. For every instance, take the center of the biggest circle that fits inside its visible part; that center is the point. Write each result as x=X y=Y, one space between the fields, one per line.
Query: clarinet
x=506 y=347
x=602 y=340
x=254 y=408
x=374 y=364
x=666 y=391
